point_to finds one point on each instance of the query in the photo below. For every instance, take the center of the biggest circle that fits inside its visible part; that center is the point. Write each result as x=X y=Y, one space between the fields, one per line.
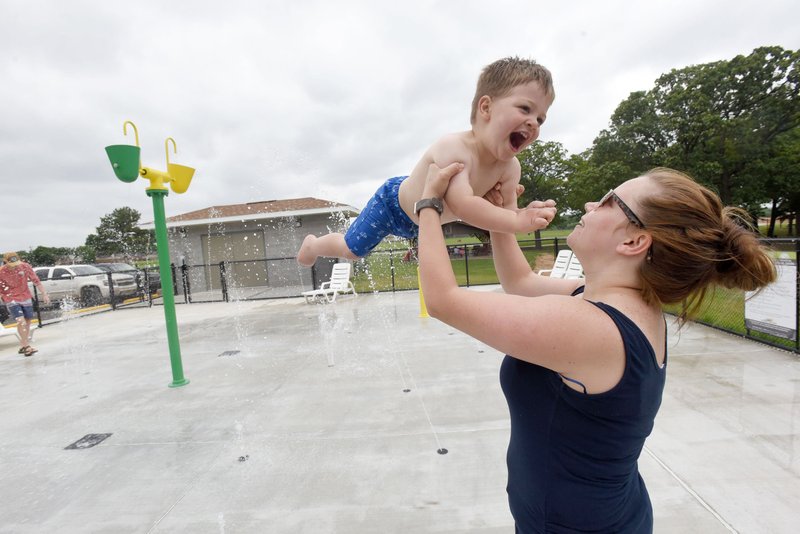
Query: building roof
x=251 y=211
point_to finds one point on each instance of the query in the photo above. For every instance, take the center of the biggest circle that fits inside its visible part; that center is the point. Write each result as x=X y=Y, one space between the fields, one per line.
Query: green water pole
x=127 y=164
x=165 y=270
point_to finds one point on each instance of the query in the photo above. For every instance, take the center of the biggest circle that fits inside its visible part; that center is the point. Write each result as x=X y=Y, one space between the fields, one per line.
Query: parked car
x=152 y=278
x=125 y=277
x=84 y=283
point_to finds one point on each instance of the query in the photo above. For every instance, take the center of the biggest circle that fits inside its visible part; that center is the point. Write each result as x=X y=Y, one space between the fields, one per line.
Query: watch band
x=435 y=203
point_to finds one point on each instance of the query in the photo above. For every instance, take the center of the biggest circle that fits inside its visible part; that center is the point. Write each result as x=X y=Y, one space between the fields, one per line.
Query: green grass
x=374 y=272
x=722 y=308
x=546 y=235
x=781 y=230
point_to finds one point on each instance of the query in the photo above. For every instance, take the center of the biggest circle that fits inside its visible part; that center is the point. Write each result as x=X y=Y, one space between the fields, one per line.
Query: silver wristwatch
x=435 y=203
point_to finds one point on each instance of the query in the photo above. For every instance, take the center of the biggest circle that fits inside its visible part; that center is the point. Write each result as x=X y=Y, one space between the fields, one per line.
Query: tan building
x=256 y=243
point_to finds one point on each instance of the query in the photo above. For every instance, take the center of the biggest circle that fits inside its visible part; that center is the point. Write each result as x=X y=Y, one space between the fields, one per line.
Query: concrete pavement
x=303 y=418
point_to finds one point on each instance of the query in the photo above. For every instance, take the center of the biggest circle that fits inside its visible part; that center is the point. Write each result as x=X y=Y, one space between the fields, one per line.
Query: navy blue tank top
x=572 y=457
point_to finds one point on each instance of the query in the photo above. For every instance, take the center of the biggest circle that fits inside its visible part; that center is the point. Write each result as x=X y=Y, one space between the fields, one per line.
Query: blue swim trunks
x=383 y=216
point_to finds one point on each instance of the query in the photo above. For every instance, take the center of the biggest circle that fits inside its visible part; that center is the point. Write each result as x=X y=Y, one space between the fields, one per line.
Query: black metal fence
x=390 y=269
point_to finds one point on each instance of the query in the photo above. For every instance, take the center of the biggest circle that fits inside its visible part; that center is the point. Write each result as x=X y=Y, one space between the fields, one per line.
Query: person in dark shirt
x=586 y=358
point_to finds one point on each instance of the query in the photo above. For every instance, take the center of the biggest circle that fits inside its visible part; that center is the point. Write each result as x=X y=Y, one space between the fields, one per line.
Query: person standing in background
x=14 y=291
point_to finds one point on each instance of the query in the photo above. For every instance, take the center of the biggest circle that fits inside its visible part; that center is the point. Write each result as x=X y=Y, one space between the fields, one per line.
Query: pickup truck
x=83 y=283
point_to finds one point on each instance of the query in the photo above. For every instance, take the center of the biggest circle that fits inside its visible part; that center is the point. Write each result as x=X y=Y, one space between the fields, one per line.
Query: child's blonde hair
x=499 y=78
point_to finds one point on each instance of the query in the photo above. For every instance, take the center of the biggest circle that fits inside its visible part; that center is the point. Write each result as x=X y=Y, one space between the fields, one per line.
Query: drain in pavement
x=87 y=441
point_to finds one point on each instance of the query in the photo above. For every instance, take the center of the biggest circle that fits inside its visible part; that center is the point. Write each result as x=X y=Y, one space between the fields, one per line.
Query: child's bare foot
x=306 y=256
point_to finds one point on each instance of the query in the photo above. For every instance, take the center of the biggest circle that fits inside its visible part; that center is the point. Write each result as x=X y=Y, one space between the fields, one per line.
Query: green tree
x=590 y=181
x=119 y=233
x=727 y=123
x=545 y=169
x=783 y=179
x=634 y=137
x=724 y=119
x=85 y=254
x=48 y=255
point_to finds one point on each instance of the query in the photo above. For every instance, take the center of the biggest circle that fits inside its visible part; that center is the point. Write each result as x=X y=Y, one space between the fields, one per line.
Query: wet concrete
x=331 y=418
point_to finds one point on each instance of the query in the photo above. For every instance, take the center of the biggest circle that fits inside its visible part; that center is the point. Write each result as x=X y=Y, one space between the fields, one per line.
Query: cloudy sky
x=272 y=100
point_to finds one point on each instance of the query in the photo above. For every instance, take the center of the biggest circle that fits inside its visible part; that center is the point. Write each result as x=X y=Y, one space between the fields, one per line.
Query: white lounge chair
x=560 y=265
x=338 y=284
x=574 y=269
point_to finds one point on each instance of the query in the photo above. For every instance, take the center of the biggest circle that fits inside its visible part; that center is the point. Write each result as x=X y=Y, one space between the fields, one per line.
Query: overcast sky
x=273 y=100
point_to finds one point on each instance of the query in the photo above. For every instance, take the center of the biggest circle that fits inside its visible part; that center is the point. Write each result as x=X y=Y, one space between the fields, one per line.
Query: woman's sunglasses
x=632 y=217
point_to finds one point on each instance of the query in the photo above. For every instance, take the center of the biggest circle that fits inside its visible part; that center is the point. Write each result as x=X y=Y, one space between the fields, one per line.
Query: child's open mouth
x=518 y=139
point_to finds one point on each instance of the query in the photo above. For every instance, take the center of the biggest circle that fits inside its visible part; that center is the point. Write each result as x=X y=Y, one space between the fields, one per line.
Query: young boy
x=509 y=106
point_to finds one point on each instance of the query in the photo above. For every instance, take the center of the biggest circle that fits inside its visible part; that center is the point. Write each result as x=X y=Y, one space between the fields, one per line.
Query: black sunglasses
x=632 y=217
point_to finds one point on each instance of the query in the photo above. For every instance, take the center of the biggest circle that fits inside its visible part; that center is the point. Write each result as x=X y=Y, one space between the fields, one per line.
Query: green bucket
x=125 y=161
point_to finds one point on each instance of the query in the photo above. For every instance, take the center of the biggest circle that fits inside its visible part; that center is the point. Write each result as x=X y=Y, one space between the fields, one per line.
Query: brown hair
x=500 y=77
x=697 y=243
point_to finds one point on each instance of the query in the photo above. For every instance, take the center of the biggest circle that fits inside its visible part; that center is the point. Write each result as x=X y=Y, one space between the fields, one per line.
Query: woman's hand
x=439 y=179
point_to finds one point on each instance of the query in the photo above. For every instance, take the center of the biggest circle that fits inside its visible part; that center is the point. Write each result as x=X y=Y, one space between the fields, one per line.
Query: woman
x=587 y=358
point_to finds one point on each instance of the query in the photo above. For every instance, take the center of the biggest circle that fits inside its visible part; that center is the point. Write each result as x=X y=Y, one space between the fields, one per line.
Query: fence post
x=147 y=286
x=797 y=295
x=174 y=279
x=391 y=266
x=187 y=292
x=466 y=262
x=111 y=295
x=36 y=306
x=224 y=281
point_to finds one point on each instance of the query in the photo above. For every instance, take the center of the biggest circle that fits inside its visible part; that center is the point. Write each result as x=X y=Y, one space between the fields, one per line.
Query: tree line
x=732 y=125
x=118 y=235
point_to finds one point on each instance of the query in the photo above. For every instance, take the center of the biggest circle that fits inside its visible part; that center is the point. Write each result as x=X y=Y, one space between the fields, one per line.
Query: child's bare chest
x=484 y=177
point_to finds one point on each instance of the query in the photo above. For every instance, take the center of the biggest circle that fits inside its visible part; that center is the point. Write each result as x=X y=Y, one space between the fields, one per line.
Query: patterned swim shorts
x=381 y=217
